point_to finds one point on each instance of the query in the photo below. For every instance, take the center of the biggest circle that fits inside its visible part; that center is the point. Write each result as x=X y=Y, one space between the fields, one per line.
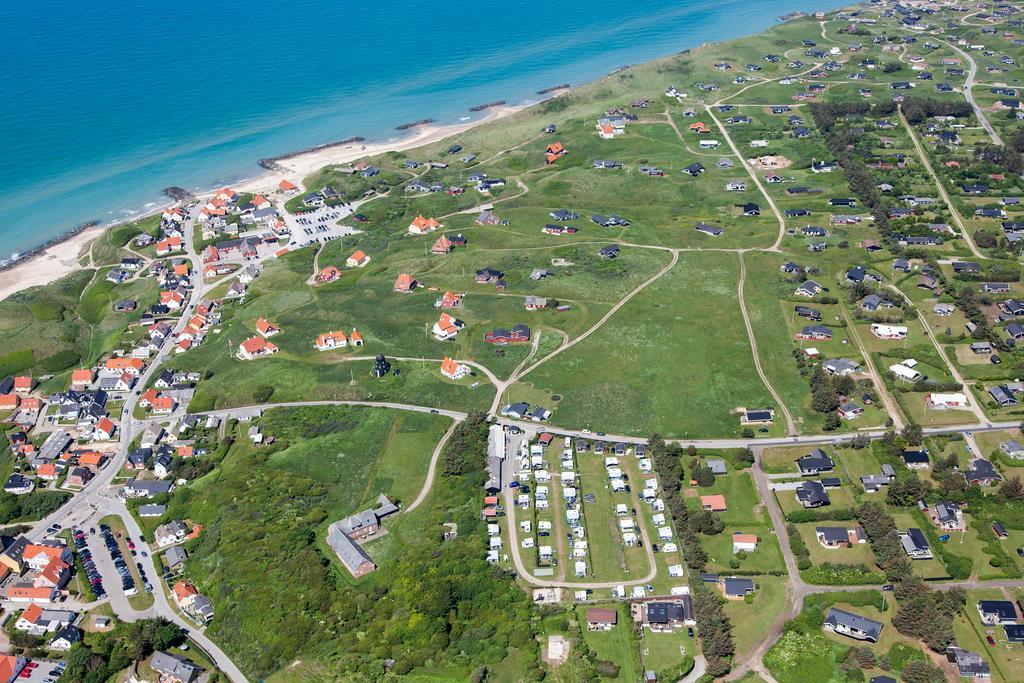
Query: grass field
x=657 y=339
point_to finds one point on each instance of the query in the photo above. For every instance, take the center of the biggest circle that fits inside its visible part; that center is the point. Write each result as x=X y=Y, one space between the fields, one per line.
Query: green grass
x=657 y=341
x=749 y=620
x=618 y=645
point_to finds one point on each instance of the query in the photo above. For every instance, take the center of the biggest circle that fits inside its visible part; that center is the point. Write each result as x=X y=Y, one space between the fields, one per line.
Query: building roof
x=870 y=627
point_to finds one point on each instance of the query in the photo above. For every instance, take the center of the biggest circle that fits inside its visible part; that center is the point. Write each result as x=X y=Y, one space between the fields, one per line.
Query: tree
x=1012 y=488
x=920 y=671
x=704 y=476
x=913 y=434
x=745 y=455
x=832 y=422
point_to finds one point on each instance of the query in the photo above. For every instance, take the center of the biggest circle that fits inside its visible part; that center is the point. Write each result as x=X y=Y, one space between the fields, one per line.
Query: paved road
x=972 y=71
x=938 y=184
x=251 y=412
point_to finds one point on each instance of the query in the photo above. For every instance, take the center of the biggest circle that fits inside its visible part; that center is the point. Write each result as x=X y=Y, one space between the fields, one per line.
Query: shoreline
x=59 y=257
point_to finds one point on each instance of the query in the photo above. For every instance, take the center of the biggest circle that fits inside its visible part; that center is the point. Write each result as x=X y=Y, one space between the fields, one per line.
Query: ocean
x=107 y=103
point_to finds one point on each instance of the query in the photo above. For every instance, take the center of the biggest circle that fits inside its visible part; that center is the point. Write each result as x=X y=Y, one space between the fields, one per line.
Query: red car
x=131 y=544
x=991 y=640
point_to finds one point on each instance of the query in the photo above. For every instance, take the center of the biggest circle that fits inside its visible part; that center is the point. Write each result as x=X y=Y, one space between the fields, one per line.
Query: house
x=815 y=332
x=884 y=331
x=601 y=619
x=68 y=636
x=38 y=621
x=405 y=283
x=916 y=460
x=449 y=300
x=749 y=209
x=18 y=485
x=811 y=494
x=852 y=625
x=948 y=516
x=915 y=544
x=256 y=347
x=838 y=536
x=744 y=542
x=848 y=410
x=997 y=612
x=421 y=225
x=969 y=664
x=667 y=616
x=1002 y=396
x=358 y=259
x=174 y=668
x=1013 y=449
x=982 y=472
x=453 y=370
x=712 y=230
x=518 y=334
x=841 y=366
x=609 y=252
x=447 y=327
x=736 y=588
x=808 y=288
x=714 y=503
x=442 y=246
x=331 y=340
x=815 y=462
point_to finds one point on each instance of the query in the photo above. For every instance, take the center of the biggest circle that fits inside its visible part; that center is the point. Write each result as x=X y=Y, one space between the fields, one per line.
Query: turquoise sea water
x=106 y=103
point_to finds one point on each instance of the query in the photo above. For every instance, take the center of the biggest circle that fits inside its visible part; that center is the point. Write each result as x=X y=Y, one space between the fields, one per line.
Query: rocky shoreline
x=13 y=261
x=271 y=163
x=555 y=88
x=482 y=107
x=421 y=122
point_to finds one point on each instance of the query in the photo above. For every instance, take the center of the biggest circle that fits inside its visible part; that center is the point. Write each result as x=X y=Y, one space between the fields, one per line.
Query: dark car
x=888 y=587
x=689 y=631
x=995 y=359
x=1020 y=552
x=360 y=218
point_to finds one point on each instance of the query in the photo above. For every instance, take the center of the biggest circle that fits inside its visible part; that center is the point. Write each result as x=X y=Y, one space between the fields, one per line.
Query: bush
x=47 y=311
x=62 y=360
x=262 y=393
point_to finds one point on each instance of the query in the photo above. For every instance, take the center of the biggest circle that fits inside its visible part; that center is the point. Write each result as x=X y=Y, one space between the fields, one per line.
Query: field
x=656 y=339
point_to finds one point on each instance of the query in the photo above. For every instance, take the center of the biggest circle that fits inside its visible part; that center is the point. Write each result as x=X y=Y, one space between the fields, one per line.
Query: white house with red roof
x=256 y=347
x=267 y=328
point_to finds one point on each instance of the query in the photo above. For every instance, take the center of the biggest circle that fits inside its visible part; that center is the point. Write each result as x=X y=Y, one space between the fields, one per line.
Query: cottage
x=852 y=625
x=811 y=494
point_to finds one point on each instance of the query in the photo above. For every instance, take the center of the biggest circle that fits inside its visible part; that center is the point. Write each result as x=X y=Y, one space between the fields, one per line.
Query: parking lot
x=41 y=671
x=92 y=573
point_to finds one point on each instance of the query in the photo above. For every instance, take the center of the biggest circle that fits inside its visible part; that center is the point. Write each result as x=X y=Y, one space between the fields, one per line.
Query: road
x=979 y=414
x=972 y=71
x=754 y=178
x=97 y=499
x=432 y=469
x=938 y=184
x=790 y=425
x=869 y=363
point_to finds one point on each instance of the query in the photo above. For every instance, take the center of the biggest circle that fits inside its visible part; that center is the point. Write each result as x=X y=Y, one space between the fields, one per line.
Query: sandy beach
x=50 y=265
x=302 y=165
x=62 y=258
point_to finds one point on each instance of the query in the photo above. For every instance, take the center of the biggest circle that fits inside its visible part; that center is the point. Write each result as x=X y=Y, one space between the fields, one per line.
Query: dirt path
x=432 y=470
x=975 y=408
x=869 y=363
x=753 y=177
x=622 y=302
x=790 y=425
x=938 y=184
